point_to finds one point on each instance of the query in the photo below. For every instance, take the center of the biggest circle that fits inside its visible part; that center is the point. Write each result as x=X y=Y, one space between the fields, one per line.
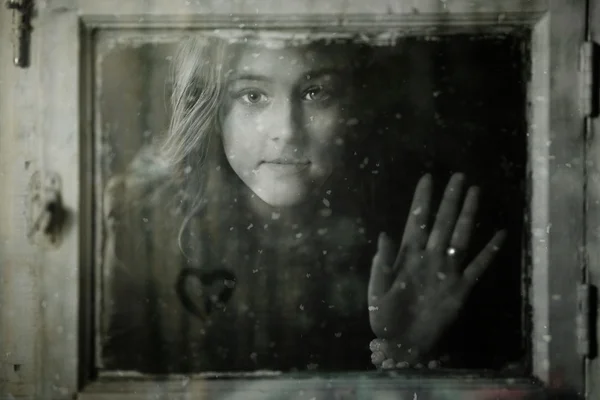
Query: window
x=309 y=309
x=189 y=265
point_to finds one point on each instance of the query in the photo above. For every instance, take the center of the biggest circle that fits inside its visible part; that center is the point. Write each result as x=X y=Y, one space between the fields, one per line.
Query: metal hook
x=23 y=28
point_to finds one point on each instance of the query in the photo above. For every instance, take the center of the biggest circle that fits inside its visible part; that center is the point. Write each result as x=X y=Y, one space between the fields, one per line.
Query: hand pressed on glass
x=416 y=292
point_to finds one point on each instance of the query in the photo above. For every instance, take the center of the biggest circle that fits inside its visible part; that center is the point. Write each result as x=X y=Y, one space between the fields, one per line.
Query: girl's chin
x=284 y=200
x=284 y=196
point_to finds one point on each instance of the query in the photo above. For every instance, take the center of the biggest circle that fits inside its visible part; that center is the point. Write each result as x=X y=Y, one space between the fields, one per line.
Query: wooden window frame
x=58 y=90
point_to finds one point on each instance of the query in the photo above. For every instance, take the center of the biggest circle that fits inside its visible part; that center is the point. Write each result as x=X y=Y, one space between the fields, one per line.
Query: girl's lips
x=286 y=168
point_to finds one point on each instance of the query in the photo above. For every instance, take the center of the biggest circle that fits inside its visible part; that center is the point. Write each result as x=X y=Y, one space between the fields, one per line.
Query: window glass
x=244 y=186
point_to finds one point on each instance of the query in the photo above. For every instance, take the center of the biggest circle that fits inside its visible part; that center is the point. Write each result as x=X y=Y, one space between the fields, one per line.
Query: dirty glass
x=276 y=204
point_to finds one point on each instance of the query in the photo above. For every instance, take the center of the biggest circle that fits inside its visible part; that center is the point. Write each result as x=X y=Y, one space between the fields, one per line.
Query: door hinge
x=587 y=303
x=588 y=93
x=22 y=16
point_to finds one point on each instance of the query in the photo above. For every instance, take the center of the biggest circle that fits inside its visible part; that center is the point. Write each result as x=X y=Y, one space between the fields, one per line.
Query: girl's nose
x=286 y=118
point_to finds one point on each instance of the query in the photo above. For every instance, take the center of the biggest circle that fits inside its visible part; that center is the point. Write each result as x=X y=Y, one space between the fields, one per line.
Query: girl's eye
x=253 y=97
x=316 y=93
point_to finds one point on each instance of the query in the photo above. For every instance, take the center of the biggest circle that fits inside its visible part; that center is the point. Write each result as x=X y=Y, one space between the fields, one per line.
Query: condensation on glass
x=244 y=242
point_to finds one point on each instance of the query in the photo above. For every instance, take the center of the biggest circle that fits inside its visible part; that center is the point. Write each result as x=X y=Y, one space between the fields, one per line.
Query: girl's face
x=284 y=119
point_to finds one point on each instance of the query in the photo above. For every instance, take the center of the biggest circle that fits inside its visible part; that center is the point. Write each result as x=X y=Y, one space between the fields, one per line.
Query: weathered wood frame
x=59 y=94
x=593 y=200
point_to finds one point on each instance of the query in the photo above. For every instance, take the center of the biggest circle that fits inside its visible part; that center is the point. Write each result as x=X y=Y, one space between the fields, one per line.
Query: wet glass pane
x=244 y=186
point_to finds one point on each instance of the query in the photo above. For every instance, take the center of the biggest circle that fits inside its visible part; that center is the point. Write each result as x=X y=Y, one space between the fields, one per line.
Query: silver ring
x=451 y=251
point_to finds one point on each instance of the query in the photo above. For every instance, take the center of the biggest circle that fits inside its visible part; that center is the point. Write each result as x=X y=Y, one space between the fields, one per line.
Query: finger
x=415 y=231
x=441 y=232
x=463 y=229
x=382 y=273
x=483 y=259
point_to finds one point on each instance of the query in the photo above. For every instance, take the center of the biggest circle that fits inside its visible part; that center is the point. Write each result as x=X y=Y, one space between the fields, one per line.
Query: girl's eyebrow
x=319 y=73
x=309 y=75
x=248 y=77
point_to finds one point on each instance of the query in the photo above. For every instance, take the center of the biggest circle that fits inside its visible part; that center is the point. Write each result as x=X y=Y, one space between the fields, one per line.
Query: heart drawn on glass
x=210 y=290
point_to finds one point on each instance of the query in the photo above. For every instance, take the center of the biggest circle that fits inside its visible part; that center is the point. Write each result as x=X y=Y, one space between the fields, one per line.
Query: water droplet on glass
x=326 y=212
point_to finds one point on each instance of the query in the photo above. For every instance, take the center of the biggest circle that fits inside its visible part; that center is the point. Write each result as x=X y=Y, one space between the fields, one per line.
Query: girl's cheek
x=237 y=120
x=326 y=124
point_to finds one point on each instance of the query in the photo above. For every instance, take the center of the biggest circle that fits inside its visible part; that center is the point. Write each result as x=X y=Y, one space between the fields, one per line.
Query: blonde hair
x=193 y=139
x=175 y=170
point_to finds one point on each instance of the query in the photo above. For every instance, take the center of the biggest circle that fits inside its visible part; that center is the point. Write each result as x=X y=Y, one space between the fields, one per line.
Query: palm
x=417 y=291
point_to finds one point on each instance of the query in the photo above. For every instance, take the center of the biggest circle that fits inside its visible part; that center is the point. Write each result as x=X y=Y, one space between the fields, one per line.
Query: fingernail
x=381 y=240
x=502 y=234
x=501 y=237
x=425 y=181
x=475 y=190
x=459 y=176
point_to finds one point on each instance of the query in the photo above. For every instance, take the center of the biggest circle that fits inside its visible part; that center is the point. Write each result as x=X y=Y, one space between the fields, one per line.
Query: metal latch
x=587 y=301
x=22 y=15
x=47 y=215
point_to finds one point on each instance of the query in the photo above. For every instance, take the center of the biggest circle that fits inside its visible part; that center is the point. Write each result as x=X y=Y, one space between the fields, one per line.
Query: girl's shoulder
x=149 y=205
x=148 y=185
x=147 y=179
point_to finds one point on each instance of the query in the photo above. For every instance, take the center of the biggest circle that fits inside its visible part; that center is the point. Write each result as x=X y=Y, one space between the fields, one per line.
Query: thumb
x=382 y=271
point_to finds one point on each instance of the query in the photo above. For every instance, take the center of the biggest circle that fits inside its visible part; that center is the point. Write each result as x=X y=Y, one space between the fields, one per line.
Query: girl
x=286 y=263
